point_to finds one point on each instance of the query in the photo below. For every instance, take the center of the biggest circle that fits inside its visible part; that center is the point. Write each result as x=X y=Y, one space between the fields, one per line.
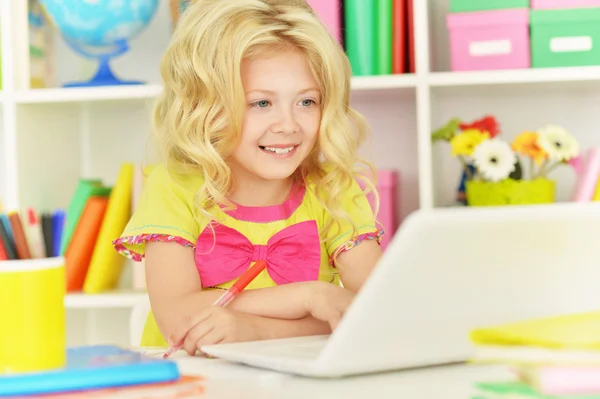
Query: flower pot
x=510 y=192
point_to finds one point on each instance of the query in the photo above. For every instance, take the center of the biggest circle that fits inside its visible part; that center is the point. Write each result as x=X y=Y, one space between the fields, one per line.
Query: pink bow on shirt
x=292 y=254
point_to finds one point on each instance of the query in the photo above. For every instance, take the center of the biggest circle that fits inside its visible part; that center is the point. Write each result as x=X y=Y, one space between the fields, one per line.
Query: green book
x=86 y=188
x=384 y=36
x=360 y=35
x=517 y=390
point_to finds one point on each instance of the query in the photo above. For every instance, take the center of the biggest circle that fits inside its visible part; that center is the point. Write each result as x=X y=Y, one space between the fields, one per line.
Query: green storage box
x=486 y=5
x=565 y=37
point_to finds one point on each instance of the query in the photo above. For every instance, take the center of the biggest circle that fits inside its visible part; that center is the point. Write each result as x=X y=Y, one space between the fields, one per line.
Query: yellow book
x=579 y=331
x=106 y=264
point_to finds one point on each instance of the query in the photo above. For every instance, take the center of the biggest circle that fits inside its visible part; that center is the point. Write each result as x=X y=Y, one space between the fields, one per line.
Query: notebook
x=579 y=331
x=92 y=367
x=517 y=390
x=572 y=339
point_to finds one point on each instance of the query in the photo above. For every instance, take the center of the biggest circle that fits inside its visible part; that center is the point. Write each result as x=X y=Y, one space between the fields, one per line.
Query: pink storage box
x=489 y=40
x=387 y=218
x=329 y=12
x=553 y=4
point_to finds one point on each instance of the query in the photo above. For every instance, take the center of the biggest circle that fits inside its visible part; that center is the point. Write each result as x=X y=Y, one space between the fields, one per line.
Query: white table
x=230 y=380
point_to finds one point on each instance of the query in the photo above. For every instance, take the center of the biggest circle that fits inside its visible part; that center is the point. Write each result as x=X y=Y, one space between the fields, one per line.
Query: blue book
x=92 y=367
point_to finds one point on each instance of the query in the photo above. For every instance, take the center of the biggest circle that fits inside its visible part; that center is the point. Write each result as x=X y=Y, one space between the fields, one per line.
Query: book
x=399 y=34
x=186 y=387
x=360 y=17
x=384 y=21
x=80 y=250
x=533 y=356
x=90 y=368
x=517 y=390
x=84 y=190
x=106 y=264
x=578 y=331
x=329 y=12
x=562 y=380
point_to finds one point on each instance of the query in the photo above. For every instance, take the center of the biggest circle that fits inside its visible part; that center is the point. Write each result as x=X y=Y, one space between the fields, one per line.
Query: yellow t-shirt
x=286 y=236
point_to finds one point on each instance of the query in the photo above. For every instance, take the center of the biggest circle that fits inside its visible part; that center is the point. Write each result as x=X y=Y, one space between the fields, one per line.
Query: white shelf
x=108 y=300
x=515 y=76
x=361 y=83
x=79 y=94
x=150 y=91
x=383 y=82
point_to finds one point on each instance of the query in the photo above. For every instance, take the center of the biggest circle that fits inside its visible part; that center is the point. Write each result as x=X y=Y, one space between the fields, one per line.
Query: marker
x=229 y=295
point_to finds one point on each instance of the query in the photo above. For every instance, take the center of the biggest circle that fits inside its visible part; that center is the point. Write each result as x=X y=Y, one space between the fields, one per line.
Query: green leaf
x=446 y=132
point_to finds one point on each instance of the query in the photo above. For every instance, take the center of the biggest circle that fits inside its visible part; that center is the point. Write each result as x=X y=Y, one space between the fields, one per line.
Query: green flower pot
x=510 y=192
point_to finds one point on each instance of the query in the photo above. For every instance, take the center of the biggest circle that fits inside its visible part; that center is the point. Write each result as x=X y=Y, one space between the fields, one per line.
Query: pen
x=229 y=295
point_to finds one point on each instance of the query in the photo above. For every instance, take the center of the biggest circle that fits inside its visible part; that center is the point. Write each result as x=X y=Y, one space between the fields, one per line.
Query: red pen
x=229 y=295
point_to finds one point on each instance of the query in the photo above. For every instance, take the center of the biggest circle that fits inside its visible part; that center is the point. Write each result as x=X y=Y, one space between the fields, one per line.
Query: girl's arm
x=356 y=265
x=176 y=295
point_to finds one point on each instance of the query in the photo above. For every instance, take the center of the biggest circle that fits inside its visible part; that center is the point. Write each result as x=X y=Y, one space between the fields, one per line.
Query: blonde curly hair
x=198 y=115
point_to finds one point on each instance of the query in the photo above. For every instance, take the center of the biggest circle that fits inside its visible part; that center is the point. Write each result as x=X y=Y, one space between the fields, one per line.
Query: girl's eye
x=307 y=102
x=261 y=104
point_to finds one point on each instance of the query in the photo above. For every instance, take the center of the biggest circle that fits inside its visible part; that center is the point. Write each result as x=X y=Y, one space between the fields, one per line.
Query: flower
x=486 y=124
x=494 y=159
x=527 y=144
x=465 y=142
x=558 y=143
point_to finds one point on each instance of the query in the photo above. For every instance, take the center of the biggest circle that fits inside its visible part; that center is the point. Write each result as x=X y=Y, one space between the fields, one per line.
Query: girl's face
x=282 y=116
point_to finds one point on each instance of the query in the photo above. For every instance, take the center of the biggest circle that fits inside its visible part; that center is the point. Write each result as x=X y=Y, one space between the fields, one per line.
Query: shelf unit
x=51 y=137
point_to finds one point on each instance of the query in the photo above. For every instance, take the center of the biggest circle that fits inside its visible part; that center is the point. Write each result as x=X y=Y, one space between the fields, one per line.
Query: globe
x=100 y=29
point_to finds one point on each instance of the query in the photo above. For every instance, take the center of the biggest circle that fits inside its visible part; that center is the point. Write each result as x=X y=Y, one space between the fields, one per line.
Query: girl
x=260 y=146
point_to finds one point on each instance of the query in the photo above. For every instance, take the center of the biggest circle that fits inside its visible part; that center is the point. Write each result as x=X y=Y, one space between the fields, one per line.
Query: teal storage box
x=486 y=5
x=565 y=37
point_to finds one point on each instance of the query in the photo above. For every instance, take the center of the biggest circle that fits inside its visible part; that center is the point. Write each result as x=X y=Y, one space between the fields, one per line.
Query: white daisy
x=494 y=159
x=560 y=145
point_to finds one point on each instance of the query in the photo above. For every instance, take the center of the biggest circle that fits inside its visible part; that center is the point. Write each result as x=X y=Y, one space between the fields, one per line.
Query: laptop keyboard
x=305 y=351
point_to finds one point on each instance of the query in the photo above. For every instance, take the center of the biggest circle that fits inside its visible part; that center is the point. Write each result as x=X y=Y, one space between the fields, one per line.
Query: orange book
x=398 y=37
x=80 y=249
x=21 y=244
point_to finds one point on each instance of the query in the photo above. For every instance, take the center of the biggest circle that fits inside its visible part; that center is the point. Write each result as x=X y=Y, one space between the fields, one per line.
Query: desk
x=226 y=380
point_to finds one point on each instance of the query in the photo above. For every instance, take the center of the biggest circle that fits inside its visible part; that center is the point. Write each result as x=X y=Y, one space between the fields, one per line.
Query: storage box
x=387 y=218
x=550 y=4
x=565 y=37
x=484 y=5
x=489 y=40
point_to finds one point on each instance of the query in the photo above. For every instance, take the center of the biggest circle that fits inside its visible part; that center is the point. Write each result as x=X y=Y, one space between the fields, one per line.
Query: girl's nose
x=286 y=124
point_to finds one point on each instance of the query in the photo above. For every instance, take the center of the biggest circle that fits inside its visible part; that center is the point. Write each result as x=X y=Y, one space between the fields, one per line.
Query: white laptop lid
x=448 y=271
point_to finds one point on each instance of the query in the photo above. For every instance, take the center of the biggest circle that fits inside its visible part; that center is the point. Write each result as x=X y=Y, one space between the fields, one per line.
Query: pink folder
x=330 y=13
x=588 y=179
x=564 y=380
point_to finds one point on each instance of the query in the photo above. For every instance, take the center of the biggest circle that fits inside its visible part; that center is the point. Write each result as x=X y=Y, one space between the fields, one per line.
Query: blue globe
x=100 y=29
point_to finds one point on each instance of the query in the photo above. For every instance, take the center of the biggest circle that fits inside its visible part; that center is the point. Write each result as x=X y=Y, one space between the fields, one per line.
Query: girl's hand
x=215 y=325
x=328 y=302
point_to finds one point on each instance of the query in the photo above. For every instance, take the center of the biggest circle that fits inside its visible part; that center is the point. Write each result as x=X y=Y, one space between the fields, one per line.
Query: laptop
x=446 y=272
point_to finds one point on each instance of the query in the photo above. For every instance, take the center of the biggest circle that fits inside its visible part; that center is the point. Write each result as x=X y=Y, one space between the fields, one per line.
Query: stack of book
x=82 y=233
x=552 y=358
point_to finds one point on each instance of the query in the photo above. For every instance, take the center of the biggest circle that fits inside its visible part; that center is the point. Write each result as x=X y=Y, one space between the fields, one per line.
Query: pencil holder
x=32 y=335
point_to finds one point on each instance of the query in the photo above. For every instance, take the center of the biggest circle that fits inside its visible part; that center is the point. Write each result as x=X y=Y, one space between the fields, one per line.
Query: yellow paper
x=575 y=331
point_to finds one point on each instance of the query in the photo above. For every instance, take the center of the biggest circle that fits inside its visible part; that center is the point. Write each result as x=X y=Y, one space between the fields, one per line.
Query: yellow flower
x=527 y=144
x=466 y=142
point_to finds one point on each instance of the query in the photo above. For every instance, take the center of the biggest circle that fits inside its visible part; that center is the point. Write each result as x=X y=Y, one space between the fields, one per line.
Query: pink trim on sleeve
x=120 y=243
x=374 y=235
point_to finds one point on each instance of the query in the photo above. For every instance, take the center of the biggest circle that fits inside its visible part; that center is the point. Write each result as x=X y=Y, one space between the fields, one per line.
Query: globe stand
x=104 y=75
